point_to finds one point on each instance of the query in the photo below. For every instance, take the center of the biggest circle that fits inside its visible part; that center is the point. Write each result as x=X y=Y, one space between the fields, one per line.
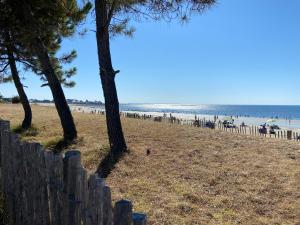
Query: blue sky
x=238 y=52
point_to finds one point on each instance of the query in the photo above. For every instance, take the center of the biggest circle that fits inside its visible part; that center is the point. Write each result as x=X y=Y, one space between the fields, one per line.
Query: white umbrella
x=227 y=118
x=271 y=121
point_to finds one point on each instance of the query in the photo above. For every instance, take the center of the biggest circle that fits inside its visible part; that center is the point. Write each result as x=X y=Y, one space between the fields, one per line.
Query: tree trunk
x=20 y=89
x=107 y=75
x=59 y=98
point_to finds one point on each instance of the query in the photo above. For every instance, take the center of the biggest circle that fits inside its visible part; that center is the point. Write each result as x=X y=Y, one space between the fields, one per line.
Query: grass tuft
x=30 y=132
x=59 y=144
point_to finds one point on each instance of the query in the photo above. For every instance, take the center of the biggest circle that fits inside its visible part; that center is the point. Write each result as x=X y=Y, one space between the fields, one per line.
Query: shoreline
x=284 y=124
x=255 y=121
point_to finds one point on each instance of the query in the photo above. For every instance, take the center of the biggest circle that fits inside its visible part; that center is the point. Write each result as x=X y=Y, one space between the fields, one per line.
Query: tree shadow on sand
x=109 y=162
x=59 y=145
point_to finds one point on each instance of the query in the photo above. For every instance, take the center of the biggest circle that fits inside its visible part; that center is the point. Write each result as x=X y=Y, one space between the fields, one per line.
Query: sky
x=237 y=52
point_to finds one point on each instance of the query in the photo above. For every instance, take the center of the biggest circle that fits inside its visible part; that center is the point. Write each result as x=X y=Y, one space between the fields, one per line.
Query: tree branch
x=4 y=68
x=111 y=12
x=44 y=85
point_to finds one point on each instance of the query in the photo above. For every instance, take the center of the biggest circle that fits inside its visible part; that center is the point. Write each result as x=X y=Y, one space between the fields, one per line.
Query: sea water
x=286 y=116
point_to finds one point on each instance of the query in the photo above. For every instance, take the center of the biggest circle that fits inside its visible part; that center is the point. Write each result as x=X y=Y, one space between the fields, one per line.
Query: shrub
x=15 y=100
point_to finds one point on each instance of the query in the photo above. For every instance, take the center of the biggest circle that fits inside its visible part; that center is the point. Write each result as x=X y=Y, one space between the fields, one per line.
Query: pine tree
x=7 y=59
x=112 y=18
x=40 y=26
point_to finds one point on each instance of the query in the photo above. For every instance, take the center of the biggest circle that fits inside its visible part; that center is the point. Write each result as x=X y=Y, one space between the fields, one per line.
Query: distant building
x=69 y=101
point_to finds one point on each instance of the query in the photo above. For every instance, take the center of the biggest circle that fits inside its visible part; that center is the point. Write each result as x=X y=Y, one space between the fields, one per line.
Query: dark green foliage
x=121 y=12
x=15 y=100
x=54 y=21
x=5 y=75
x=36 y=29
x=64 y=75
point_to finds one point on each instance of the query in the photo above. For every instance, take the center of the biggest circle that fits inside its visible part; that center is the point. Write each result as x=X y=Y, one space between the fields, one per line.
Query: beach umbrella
x=227 y=118
x=271 y=121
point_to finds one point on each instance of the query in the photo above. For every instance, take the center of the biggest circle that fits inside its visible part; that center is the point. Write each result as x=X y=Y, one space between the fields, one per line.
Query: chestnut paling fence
x=218 y=125
x=197 y=122
x=44 y=188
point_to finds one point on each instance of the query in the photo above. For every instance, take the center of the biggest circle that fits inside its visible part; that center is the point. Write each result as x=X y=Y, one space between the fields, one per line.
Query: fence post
x=293 y=135
x=4 y=126
x=123 y=213
x=139 y=219
x=94 y=215
x=10 y=176
x=72 y=201
x=30 y=182
x=19 y=171
x=107 y=207
x=54 y=167
x=289 y=134
x=42 y=201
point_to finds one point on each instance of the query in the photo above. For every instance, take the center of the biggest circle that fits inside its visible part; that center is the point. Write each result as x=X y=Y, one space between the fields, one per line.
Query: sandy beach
x=285 y=124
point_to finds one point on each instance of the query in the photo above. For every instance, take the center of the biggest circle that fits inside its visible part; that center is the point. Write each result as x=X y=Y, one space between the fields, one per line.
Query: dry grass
x=192 y=175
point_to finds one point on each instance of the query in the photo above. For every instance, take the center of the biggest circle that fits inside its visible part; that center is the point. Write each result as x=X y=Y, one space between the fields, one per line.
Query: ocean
x=286 y=116
x=259 y=111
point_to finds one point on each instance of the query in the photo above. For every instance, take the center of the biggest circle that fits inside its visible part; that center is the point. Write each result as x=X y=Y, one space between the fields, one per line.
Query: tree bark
x=62 y=107
x=107 y=75
x=40 y=50
x=20 y=89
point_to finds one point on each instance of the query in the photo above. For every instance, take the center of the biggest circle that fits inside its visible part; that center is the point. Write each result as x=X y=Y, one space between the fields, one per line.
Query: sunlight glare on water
x=174 y=106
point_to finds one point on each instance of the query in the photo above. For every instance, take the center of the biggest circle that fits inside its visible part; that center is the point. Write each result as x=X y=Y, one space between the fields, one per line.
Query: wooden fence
x=163 y=119
x=218 y=125
x=256 y=131
x=250 y=130
x=43 y=188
